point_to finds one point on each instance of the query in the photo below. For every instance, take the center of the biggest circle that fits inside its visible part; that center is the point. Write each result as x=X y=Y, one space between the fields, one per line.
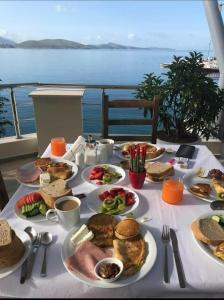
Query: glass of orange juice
x=58 y=146
x=172 y=191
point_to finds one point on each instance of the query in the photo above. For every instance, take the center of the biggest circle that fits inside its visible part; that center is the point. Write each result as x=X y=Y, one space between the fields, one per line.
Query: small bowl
x=110 y=260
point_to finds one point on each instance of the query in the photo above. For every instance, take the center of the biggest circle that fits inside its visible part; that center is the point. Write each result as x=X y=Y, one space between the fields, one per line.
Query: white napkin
x=70 y=154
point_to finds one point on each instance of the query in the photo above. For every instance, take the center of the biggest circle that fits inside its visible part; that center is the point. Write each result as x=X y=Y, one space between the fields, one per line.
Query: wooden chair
x=153 y=121
x=4 y=198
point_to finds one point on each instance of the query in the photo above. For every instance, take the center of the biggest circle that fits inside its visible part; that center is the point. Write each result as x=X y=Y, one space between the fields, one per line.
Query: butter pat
x=45 y=179
x=83 y=234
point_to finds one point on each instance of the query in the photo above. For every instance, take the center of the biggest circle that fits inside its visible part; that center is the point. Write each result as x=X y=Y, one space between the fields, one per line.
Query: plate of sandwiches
x=208 y=233
x=15 y=246
x=158 y=171
x=45 y=170
x=208 y=187
x=104 y=236
x=153 y=152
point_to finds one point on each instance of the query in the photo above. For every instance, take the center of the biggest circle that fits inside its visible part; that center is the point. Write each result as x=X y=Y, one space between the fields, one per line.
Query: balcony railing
x=101 y=87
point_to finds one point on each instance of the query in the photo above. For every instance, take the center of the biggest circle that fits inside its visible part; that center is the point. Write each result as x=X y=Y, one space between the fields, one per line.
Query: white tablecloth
x=205 y=277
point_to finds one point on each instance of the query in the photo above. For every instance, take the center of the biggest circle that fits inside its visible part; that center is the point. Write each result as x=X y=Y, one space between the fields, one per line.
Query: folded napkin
x=76 y=147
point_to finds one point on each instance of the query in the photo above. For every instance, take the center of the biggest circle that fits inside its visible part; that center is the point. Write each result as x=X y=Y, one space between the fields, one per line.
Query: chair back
x=143 y=103
x=4 y=198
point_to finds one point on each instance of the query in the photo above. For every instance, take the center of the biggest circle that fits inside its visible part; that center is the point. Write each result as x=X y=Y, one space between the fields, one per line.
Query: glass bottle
x=90 y=152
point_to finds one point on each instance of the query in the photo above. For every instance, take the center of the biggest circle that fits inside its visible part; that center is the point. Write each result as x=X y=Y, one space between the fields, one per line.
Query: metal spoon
x=217 y=205
x=33 y=235
x=46 y=240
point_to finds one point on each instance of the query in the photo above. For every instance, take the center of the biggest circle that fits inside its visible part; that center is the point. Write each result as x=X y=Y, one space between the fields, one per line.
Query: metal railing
x=12 y=86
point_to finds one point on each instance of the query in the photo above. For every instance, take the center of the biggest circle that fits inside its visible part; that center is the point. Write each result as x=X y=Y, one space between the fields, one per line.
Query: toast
x=5 y=233
x=158 y=171
x=208 y=231
x=53 y=191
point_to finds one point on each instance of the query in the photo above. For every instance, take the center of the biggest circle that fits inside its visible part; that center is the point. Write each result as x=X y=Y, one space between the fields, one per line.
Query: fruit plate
x=36 y=184
x=68 y=249
x=127 y=157
x=208 y=250
x=24 y=237
x=93 y=201
x=112 y=168
x=191 y=178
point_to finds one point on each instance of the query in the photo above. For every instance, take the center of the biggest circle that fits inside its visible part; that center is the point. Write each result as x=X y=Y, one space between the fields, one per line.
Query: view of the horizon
x=180 y=25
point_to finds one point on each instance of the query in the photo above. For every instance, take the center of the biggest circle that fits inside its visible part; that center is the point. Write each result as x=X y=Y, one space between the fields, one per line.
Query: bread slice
x=5 y=233
x=53 y=191
x=208 y=231
x=158 y=171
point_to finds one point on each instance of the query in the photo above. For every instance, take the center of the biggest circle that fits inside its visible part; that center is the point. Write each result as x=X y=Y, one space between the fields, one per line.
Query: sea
x=116 y=67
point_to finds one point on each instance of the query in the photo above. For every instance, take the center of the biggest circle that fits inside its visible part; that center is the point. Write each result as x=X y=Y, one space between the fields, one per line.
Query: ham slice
x=27 y=175
x=85 y=257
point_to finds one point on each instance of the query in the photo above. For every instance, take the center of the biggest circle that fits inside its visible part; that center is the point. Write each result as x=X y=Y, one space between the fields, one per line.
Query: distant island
x=66 y=44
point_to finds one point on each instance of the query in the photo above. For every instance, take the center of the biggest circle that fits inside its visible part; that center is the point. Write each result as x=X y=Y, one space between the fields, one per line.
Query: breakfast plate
x=31 y=166
x=94 y=203
x=151 y=151
x=207 y=249
x=24 y=237
x=116 y=174
x=68 y=249
x=191 y=178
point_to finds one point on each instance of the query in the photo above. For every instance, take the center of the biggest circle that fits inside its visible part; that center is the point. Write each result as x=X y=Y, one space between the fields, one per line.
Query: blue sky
x=179 y=24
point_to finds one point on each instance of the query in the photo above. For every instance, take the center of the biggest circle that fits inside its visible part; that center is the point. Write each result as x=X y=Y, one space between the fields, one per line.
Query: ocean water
x=121 y=67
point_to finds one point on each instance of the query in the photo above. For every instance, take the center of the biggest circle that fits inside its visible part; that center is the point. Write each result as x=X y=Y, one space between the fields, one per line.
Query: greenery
x=3 y=120
x=190 y=101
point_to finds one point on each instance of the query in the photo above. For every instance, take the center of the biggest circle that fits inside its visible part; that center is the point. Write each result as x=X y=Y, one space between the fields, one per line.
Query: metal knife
x=23 y=274
x=180 y=270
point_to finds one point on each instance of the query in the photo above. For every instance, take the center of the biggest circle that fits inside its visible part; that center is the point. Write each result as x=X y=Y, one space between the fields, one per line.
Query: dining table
x=204 y=275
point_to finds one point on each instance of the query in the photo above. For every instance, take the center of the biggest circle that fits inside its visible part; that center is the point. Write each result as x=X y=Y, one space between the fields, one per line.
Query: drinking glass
x=58 y=146
x=172 y=191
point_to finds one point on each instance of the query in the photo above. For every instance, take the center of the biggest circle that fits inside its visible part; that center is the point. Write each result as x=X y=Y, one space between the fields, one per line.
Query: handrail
x=11 y=86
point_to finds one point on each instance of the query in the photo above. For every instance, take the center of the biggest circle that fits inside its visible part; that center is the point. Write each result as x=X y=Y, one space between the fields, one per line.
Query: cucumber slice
x=42 y=208
x=216 y=218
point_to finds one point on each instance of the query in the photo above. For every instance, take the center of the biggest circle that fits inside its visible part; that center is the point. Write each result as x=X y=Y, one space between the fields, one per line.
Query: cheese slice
x=81 y=235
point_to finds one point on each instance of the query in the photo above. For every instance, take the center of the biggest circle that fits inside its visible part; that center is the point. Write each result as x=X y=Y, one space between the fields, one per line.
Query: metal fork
x=36 y=245
x=165 y=239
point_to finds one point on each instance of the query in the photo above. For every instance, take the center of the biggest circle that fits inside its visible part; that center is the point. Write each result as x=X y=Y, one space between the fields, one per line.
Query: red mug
x=137 y=179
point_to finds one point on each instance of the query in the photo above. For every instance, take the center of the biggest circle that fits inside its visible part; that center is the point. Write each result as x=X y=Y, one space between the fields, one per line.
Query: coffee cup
x=108 y=143
x=66 y=212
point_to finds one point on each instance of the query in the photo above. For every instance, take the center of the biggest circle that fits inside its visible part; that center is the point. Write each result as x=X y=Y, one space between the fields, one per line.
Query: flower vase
x=137 y=179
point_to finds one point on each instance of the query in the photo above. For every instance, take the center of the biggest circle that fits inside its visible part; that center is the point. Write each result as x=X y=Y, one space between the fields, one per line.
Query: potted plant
x=190 y=101
x=137 y=170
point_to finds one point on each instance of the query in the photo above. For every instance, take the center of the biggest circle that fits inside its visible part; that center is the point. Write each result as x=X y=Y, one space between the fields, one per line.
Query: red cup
x=137 y=179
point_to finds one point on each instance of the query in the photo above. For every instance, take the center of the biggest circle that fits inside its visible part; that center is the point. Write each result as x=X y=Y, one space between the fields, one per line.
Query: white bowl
x=109 y=260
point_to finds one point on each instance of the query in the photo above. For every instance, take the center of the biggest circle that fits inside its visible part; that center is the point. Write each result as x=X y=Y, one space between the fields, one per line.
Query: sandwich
x=208 y=231
x=158 y=171
x=201 y=189
x=218 y=186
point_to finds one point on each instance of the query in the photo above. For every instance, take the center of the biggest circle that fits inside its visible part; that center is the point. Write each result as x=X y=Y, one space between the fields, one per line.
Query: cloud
x=98 y=37
x=59 y=8
x=131 y=36
x=3 y=32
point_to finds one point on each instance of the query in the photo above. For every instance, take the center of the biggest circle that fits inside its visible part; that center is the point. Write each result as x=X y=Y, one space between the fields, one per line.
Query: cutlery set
x=37 y=239
x=167 y=234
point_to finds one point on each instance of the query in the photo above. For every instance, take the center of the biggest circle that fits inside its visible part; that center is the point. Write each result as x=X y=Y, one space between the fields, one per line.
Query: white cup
x=66 y=218
x=108 y=143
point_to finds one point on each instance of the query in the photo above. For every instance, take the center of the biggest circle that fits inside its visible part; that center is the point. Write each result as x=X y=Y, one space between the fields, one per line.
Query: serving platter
x=119 y=148
x=87 y=171
x=36 y=184
x=207 y=249
x=191 y=178
x=24 y=237
x=68 y=249
x=93 y=201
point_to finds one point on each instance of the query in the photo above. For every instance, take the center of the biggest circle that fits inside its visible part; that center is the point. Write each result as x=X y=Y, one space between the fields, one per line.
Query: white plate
x=37 y=184
x=191 y=178
x=93 y=201
x=86 y=173
x=204 y=247
x=27 y=242
x=68 y=249
x=35 y=219
x=119 y=153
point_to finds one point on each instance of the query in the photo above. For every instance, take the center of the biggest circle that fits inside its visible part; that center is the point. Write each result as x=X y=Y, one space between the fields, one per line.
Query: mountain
x=65 y=44
x=6 y=43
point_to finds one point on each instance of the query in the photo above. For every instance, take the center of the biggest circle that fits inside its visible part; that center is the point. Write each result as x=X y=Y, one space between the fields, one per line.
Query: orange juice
x=58 y=146
x=172 y=191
